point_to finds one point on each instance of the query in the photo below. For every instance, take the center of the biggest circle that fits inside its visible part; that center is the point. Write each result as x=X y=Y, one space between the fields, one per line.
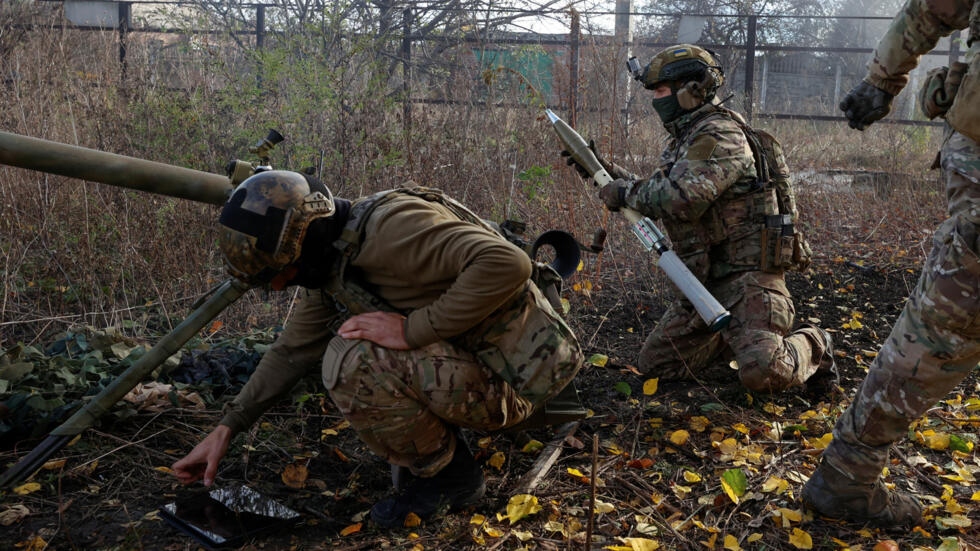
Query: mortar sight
x=265 y=145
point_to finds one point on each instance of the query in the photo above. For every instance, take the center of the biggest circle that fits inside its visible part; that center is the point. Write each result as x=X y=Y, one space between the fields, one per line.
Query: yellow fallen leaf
x=164 y=469
x=699 y=423
x=554 y=526
x=599 y=360
x=603 y=507
x=497 y=460
x=800 y=539
x=532 y=446
x=638 y=544
x=36 y=543
x=739 y=427
x=753 y=537
x=411 y=520
x=691 y=477
x=478 y=519
x=520 y=506
x=650 y=387
x=492 y=532
x=679 y=437
x=775 y=485
x=54 y=465
x=953 y=521
x=352 y=529
x=789 y=516
x=27 y=488
x=731 y=543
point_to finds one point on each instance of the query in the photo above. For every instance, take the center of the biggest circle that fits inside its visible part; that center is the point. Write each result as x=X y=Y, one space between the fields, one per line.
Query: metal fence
x=766 y=77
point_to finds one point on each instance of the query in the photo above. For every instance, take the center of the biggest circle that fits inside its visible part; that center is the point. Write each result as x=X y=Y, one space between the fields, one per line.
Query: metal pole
x=750 y=66
x=125 y=12
x=573 y=67
x=259 y=26
x=407 y=82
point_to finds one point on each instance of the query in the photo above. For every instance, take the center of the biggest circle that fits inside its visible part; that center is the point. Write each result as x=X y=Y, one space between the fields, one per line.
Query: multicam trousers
x=769 y=357
x=404 y=404
x=935 y=343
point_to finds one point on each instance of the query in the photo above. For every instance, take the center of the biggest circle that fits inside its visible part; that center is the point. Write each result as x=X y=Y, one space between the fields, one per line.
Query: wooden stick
x=547 y=458
x=592 y=487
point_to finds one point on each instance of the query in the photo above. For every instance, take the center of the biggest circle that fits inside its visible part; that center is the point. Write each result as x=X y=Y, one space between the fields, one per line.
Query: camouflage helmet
x=683 y=63
x=264 y=222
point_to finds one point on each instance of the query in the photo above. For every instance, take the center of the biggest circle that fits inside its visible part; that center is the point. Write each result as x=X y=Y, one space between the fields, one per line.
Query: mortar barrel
x=112 y=169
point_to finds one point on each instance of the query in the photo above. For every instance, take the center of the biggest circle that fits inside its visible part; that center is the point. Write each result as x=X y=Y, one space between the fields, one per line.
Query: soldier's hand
x=202 y=462
x=865 y=104
x=383 y=328
x=614 y=194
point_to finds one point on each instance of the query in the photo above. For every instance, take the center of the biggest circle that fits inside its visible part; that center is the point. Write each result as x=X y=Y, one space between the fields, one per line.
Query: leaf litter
x=657 y=465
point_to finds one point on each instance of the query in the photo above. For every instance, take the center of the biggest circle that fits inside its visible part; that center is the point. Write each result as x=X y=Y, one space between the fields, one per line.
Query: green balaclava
x=668 y=108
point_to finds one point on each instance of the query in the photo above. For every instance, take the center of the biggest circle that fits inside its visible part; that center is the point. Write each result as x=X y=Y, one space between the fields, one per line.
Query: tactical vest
x=964 y=114
x=525 y=341
x=746 y=229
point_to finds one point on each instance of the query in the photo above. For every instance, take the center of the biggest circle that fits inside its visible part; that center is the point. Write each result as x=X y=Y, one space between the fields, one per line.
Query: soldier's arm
x=914 y=31
x=296 y=352
x=714 y=158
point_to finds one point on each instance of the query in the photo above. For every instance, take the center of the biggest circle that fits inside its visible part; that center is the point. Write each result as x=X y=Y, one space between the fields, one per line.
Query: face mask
x=667 y=108
x=315 y=262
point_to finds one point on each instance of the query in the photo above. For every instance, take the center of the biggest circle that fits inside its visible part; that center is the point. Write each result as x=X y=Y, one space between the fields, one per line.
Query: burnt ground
x=106 y=494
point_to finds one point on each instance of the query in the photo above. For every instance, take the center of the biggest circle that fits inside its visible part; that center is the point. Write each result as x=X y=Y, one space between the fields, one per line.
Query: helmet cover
x=680 y=64
x=265 y=220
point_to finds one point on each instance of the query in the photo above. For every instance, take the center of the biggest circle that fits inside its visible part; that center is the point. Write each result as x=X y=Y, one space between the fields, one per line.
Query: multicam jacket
x=915 y=31
x=707 y=194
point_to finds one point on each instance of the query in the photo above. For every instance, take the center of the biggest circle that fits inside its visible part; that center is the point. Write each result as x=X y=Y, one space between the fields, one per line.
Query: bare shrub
x=76 y=252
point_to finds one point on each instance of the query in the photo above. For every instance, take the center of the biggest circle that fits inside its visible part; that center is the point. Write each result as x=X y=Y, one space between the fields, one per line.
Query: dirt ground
x=107 y=494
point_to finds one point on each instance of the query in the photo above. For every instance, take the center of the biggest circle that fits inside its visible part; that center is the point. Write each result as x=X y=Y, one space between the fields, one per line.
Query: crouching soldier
x=423 y=319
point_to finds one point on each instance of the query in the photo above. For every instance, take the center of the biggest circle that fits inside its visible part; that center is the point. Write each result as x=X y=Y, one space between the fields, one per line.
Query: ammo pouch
x=528 y=345
x=964 y=114
x=939 y=89
x=783 y=248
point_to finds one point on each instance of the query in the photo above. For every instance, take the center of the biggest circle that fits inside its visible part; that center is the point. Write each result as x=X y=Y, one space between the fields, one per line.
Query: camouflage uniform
x=935 y=343
x=712 y=207
x=487 y=347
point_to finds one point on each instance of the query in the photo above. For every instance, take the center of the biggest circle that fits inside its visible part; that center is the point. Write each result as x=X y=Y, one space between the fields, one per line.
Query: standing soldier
x=423 y=318
x=724 y=196
x=935 y=342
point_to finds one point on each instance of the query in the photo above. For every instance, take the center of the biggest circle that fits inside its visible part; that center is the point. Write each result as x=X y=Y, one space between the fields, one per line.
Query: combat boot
x=832 y=494
x=458 y=485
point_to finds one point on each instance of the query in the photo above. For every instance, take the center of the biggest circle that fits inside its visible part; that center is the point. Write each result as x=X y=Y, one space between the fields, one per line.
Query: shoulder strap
x=762 y=172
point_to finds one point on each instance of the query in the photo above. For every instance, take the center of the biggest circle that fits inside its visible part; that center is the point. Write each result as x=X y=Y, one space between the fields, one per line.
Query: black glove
x=614 y=194
x=865 y=104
